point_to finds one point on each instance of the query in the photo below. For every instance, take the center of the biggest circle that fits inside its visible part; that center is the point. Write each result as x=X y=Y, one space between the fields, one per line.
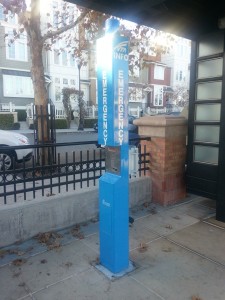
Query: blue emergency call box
x=112 y=80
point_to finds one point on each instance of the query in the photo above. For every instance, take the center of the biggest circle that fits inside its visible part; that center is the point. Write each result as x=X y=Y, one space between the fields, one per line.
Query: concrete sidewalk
x=179 y=254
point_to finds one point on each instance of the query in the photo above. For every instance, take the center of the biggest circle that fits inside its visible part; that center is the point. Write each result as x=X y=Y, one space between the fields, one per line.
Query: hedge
x=21 y=114
x=6 y=121
x=89 y=123
x=59 y=124
x=16 y=126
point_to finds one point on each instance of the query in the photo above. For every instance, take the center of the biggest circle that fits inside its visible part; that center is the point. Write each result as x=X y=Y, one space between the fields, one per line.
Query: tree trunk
x=38 y=78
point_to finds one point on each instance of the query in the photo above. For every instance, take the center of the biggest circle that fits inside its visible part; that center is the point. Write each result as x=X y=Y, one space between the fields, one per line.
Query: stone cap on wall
x=162 y=126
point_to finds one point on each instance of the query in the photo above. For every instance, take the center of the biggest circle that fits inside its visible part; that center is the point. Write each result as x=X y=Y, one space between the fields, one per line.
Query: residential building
x=15 y=77
x=159 y=84
x=149 y=87
x=63 y=69
x=178 y=59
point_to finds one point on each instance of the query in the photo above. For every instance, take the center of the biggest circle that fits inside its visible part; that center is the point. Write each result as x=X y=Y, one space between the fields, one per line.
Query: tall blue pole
x=112 y=72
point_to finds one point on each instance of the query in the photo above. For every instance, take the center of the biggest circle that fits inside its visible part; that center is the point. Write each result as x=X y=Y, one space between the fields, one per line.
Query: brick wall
x=167 y=150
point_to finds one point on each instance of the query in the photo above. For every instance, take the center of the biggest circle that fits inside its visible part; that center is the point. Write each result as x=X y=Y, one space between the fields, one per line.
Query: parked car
x=7 y=157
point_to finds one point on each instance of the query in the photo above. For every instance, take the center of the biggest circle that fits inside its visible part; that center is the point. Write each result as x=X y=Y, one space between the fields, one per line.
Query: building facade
x=15 y=77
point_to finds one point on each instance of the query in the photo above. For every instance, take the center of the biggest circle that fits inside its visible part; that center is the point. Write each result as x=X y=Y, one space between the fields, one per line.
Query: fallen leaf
x=75 y=231
x=176 y=217
x=50 y=239
x=143 y=247
x=166 y=249
x=43 y=261
x=168 y=226
x=50 y=194
x=95 y=262
x=196 y=298
x=19 y=262
x=68 y=264
x=21 y=284
x=153 y=211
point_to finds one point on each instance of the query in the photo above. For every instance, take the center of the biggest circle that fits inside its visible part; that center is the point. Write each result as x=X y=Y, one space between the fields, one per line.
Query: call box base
x=114 y=222
x=111 y=276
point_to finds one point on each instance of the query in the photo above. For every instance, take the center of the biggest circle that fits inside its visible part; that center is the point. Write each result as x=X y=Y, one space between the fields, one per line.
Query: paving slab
x=178 y=253
x=203 y=238
x=167 y=222
x=45 y=269
x=92 y=241
x=138 y=234
x=176 y=274
x=93 y=285
x=214 y=222
x=11 y=286
x=195 y=210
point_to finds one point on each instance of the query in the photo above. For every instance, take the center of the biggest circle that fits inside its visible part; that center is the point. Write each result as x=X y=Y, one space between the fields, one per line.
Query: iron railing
x=73 y=169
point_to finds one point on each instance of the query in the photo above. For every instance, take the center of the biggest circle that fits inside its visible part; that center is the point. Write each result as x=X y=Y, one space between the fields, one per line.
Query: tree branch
x=65 y=28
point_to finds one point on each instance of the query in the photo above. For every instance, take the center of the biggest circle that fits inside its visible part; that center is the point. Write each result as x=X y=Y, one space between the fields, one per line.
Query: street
x=69 y=137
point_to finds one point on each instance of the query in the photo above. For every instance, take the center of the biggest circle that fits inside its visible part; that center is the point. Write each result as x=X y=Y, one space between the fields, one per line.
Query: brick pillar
x=167 y=150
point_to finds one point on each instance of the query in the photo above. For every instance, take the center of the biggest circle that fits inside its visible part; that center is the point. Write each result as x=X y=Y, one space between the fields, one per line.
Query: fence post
x=167 y=150
x=10 y=107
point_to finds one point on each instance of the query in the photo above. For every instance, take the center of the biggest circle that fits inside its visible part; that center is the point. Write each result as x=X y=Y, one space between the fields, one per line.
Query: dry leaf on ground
x=75 y=231
x=19 y=262
x=50 y=239
x=166 y=249
x=196 y=298
x=68 y=264
x=143 y=247
x=169 y=226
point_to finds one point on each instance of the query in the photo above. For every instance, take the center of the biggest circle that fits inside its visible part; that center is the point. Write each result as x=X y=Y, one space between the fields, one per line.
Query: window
x=158 y=95
x=135 y=94
x=65 y=81
x=2 y=16
x=57 y=80
x=55 y=14
x=57 y=93
x=64 y=58
x=181 y=76
x=72 y=60
x=56 y=57
x=159 y=72
x=18 y=49
x=72 y=81
x=17 y=86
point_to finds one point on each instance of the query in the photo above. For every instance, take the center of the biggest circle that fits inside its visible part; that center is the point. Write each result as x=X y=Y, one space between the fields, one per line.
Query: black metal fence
x=79 y=167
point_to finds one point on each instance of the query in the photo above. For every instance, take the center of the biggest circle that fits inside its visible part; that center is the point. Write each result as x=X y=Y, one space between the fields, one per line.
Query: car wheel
x=6 y=159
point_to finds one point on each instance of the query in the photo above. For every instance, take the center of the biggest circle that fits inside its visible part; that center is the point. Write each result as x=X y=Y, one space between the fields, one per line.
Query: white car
x=8 y=138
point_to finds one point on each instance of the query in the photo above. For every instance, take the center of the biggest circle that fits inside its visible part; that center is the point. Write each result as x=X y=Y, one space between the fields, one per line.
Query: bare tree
x=29 y=21
x=90 y=24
